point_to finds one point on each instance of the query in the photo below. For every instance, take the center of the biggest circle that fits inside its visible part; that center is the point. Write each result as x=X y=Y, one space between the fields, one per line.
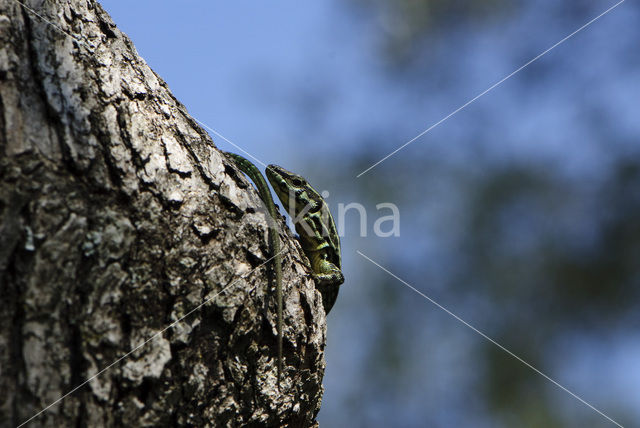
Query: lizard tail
x=274 y=238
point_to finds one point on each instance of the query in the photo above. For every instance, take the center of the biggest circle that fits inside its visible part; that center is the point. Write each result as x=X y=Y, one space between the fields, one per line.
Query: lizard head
x=293 y=191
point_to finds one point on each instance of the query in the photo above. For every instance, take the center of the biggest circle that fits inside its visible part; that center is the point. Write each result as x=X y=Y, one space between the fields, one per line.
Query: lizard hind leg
x=329 y=294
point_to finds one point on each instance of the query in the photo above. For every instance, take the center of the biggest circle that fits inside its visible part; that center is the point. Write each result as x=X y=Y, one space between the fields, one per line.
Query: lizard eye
x=296 y=182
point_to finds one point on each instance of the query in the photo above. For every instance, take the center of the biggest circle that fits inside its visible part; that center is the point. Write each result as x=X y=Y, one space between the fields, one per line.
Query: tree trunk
x=119 y=217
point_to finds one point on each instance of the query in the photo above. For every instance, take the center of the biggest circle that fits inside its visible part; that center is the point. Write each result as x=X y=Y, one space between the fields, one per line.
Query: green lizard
x=316 y=230
x=315 y=226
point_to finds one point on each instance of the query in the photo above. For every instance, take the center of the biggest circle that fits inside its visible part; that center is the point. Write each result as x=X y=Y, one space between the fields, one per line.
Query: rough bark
x=118 y=217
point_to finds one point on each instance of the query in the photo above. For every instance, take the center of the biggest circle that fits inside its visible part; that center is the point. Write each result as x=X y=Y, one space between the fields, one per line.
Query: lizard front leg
x=327 y=277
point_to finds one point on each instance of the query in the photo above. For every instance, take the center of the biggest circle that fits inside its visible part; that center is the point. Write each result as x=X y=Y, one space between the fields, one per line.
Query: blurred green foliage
x=550 y=257
x=405 y=25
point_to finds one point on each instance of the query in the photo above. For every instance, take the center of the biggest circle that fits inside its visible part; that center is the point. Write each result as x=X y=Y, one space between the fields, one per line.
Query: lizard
x=316 y=230
x=314 y=224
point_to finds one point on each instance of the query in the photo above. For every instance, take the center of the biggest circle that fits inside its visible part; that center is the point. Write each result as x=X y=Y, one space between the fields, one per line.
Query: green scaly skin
x=314 y=224
x=274 y=240
x=316 y=230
